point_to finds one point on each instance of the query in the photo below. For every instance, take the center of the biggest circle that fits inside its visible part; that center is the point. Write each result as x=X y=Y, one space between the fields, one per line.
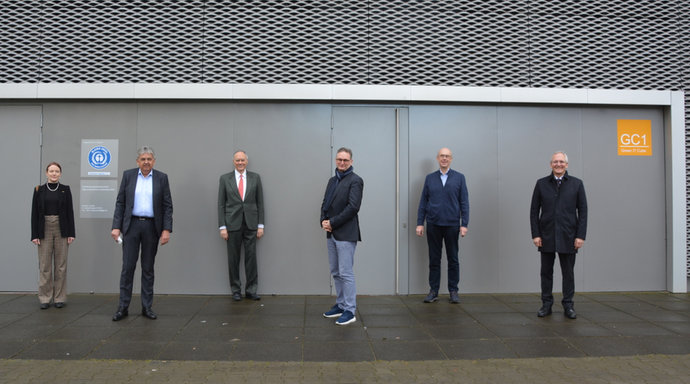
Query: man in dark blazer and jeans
x=339 y=219
x=143 y=217
x=558 y=219
x=445 y=206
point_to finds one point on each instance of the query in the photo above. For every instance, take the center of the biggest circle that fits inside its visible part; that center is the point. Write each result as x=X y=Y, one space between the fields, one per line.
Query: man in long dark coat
x=558 y=219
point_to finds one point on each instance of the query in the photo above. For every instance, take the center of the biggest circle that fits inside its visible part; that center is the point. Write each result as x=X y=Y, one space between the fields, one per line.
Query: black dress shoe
x=570 y=313
x=149 y=313
x=45 y=305
x=237 y=296
x=59 y=304
x=252 y=296
x=120 y=314
x=544 y=311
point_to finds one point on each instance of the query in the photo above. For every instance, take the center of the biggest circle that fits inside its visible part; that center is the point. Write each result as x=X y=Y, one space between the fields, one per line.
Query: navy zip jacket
x=444 y=205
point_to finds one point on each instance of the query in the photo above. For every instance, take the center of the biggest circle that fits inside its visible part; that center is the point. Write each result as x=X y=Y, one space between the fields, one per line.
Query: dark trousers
x=140 y=236
x=436 y=235
x=247 y=237
x=567 y=261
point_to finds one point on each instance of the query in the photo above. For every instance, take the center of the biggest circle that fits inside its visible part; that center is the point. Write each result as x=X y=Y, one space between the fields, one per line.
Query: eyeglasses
x=343 y=160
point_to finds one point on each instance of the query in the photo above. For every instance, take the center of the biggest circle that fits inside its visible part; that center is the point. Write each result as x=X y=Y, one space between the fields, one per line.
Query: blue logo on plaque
x=99 y=157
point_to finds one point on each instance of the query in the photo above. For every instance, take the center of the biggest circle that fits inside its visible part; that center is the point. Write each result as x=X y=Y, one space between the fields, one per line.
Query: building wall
x=600 y=44
x=292 y=147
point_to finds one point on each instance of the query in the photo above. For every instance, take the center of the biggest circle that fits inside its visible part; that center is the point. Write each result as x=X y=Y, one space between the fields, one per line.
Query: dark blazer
x=162 y=201
x=444 y=205
x=65 y=211
x=343 y=208
x=231 y=209
x=559 y=214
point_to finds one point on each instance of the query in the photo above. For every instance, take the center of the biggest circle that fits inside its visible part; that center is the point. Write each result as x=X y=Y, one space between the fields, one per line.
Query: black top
x=64 y=210
x=52 y=200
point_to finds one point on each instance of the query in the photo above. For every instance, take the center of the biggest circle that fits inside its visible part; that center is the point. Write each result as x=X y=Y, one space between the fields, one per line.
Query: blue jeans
x=436 y=236
x=341 y=256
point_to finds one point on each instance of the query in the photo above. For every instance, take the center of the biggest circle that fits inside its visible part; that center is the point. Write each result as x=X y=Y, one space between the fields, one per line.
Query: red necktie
x=241 y=188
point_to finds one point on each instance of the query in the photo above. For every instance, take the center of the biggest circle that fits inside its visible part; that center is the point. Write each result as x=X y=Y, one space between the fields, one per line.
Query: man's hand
x=463 y=231
x=259 y=233
x=224 y=234
x=420 y=230
x=115 y=233
x=579 y=243
x=537 y=241
x=326 y=225
x=165 y=237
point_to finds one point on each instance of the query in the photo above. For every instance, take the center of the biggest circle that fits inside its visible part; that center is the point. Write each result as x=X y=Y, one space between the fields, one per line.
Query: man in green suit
x=240 y=220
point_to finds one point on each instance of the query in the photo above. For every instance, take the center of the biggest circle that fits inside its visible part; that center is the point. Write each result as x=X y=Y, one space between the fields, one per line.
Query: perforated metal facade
x=609 y=44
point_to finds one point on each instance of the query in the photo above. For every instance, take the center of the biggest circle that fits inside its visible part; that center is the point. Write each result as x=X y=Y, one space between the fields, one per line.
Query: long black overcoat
x=559 y=213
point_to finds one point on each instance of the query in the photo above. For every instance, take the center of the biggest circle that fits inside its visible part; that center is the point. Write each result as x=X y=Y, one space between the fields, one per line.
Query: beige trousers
x=52 y=263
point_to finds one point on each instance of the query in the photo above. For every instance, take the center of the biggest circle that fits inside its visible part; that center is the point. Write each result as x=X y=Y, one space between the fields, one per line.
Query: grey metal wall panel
x=95 y=259
x=471 y=133
x=626 y=196
x=20 y=152
x=370 y=133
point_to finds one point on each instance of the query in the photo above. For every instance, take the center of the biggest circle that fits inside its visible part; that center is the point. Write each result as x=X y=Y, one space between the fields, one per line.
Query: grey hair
x=346 y=150
x=240 y=150
x=562 y=153
x=145 y=149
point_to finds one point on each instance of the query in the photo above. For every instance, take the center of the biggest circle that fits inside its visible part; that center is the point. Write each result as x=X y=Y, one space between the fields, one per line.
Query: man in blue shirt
x=445 y=207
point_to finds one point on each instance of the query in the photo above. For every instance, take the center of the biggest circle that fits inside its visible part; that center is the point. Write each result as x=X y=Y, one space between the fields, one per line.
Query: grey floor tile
x=338 y=351
x=577 y=328
x=217 y=321
x=270 y=335
x=291 y=321
x=407 y=350
x=76 y=333
x=210 y=333
x=59 y=350
x=662 y=315
x=543 y=347
x=504 y=318
x=335 y=333
x=398 y=334
x=383 y=309
x=459 y=332
x=637 y=329
x=145 y=334
x=11 y=348
x=609 y=346
x=486 y=308
x=676 y=327
x=667 y=345
x=608 y=316
x=520 y=330
x=267 y=351
x=9 y=318
x=378 y=300
x=128 y=349
x=432 y=319
x=406 y=320
x=477 y=349
x=279 y=309
x=18 y=332
x=196 y=351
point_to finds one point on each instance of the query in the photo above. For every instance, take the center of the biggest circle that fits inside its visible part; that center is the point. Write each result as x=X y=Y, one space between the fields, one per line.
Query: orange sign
x=634 y=137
